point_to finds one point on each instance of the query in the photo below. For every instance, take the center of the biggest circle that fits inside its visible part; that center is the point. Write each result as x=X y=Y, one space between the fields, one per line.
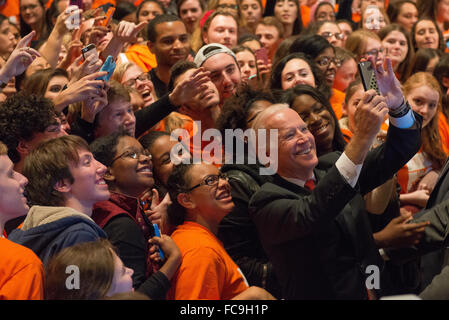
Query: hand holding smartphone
x=368 y=76
x=109 y=66
x=262 y=54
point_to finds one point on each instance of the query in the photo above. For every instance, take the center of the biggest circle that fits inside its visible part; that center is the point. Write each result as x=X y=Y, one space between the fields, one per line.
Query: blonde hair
x=3 y=149
x=431 y=140
x=357 y=41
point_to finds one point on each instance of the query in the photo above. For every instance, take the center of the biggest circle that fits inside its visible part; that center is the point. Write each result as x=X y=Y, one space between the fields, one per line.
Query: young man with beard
x=169 y=42
x=224 y=70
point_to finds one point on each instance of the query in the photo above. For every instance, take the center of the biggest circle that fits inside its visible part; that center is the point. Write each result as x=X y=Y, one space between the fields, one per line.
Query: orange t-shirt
x=21 y=273
x=336 y=101
x=305 y=15
x=443 y=128
x=11 y=9
x=142 y=56
x=207 y=271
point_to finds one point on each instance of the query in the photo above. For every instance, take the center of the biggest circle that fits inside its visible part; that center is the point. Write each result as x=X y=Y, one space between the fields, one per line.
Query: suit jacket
x=320 y=242
x=433 y=246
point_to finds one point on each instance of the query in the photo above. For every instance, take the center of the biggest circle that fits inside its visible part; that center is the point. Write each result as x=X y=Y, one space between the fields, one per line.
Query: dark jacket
x=320 y=242
x=238 y=232
x=123 y=219
x=48 y=230
x=145 y=119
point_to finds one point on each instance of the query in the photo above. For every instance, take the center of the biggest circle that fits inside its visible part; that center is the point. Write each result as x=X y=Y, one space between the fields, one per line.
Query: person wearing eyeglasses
x=127 y=219
x=365 y=44
x=201 y=198
x=323 y=54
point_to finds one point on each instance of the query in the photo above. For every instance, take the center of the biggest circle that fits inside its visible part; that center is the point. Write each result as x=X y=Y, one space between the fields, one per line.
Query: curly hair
x=236 y=109
x=104 y=148
x=22 y=116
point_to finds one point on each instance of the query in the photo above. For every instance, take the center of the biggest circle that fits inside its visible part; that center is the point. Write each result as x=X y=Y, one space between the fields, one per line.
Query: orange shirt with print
x=207 y=272
x=21 y=273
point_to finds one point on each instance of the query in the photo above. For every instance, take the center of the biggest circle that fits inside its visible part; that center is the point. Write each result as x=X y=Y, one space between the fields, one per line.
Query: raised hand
x=20 y=59
x=187 y=89
x=388 y=84
x=127 y=31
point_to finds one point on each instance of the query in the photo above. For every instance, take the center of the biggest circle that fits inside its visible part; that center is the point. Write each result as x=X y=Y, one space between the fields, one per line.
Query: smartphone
x=109 y=66
x=262 y=54
x=157 y=233
x=108 y=19
x=78 y=3
x=89 y=50
x=368 y=76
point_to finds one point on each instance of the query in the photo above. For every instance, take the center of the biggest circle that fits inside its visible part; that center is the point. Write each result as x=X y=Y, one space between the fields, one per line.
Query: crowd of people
x=112 y=186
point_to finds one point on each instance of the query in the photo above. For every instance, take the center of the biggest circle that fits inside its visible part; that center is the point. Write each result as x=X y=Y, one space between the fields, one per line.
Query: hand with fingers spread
x=389 y=85
x=188 y=88
x=400 y=233
x=20 y=59
x=81 y=90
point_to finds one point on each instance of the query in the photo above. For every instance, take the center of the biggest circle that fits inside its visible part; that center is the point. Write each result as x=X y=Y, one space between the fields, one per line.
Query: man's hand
x=187 y=89
x=389 y=85
x=369 y=115
x=399 y=233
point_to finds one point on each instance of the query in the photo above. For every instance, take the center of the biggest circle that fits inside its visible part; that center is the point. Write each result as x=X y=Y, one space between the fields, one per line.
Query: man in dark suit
x=318 y=238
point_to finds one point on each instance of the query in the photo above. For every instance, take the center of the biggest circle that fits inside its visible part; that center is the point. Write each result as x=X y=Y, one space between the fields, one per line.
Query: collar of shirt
x=298 y=182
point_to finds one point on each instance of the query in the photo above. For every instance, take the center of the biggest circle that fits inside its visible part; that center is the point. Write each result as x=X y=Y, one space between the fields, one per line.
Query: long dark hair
x=276 y=73
x=297 y=24
x=289 y=96
x=45 y=29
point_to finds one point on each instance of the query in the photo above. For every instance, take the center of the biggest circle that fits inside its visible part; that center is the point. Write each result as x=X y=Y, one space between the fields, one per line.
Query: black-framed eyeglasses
x=210 y=180
x=142 y=77
x=328 y=35
x=325 y=61
x=132 y=155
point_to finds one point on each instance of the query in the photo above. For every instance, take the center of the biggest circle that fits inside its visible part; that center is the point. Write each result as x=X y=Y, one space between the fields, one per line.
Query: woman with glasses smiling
x=124 y=218
x=201 y=198
x=364 y=44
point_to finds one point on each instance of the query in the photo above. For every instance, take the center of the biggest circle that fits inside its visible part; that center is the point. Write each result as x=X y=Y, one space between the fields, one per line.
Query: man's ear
x=63 y=186
x=185 y=200
x=109 y=175
x=23 y=148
